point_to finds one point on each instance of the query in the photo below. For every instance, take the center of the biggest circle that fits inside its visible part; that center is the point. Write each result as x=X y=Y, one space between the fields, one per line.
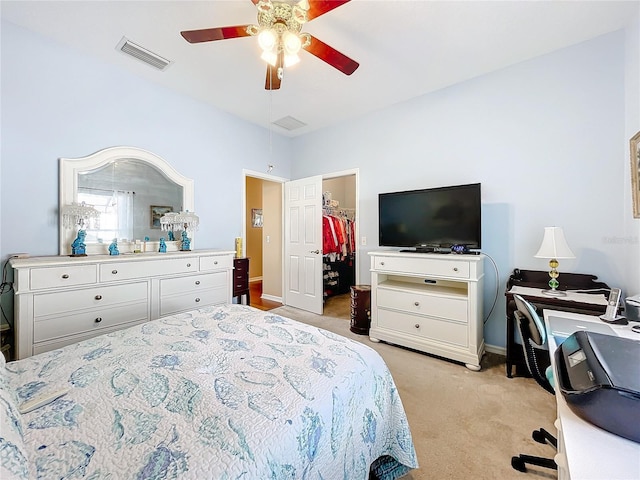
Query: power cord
x=495 y=298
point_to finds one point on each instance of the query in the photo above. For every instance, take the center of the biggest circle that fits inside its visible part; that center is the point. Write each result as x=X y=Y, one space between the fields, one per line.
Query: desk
x=530 y=283
x=586 y=452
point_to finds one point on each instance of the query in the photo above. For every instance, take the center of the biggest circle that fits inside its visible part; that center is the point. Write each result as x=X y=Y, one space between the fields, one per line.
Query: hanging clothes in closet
x=338 y=244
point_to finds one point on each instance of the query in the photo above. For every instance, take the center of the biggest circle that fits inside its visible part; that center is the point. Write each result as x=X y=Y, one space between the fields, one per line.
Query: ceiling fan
x=278 y=31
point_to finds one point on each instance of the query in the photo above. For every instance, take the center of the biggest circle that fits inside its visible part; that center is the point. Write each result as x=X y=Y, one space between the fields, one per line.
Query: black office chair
x=534 y=336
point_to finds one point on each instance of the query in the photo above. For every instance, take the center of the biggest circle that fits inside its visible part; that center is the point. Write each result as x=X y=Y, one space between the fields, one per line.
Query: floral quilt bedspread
x=226 y=392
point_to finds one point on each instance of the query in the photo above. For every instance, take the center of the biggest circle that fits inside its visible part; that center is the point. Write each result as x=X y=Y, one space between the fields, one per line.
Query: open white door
x=303 y=244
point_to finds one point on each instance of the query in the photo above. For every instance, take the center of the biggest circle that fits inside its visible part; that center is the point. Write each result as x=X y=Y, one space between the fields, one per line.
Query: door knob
x=314 y=251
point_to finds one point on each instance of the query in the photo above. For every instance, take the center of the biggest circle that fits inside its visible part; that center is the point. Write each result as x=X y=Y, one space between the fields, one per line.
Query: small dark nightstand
x=241 y=279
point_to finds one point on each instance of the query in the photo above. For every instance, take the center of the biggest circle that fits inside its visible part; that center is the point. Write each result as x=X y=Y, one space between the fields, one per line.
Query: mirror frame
x=71 y=167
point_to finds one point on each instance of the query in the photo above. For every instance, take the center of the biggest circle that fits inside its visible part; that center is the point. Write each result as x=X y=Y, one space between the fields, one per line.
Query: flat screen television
x=431 y=219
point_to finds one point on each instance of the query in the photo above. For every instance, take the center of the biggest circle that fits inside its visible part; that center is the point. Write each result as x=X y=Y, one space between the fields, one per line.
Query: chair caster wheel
x=538 y=436
x=518 y=464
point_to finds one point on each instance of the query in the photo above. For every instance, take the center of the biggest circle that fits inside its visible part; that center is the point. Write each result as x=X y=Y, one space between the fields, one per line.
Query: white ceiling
x=405 y=48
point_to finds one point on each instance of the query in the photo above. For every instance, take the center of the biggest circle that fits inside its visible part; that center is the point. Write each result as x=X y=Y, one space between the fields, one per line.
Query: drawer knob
x=417 y=325
x=98 y=320
x=455 y=269
x=98 y=297
x=65 y=276
x=114 y=272
x=197 y=300
x=188 y=265
x=417 y=304
x=381 y=263
x=197 y=282
x=215 y=262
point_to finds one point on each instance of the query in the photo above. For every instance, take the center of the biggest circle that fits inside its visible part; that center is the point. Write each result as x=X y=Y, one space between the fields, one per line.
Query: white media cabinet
x=62 y=300
x=429 y=302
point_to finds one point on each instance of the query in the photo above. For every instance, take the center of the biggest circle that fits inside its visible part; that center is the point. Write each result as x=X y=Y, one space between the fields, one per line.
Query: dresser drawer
x=424 y=327
x=143 y=269
x=64 y=341
x=51 y=304
x=190 y=301
x=425 y=266
x=92 y=320
x=195 y=283
x=216 y=262
x=67 y=276
x=423 y=304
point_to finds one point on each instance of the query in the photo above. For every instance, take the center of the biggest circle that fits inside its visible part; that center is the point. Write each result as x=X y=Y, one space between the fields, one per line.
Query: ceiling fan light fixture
x=291 y=43
x=267 y=39
x=270 y=57
x=290 y=60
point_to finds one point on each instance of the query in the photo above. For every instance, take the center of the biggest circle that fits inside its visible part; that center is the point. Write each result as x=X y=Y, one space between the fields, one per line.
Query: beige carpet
x=465 y=425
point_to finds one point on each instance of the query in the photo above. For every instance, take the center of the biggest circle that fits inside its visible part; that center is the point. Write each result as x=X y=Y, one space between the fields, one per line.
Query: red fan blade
x=330 y=55
x=273 y=80
x=320 y=7
x=211 y=34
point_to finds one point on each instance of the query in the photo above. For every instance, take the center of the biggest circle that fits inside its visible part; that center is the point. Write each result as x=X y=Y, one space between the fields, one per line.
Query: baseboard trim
x=495 y=349
x=271 y=297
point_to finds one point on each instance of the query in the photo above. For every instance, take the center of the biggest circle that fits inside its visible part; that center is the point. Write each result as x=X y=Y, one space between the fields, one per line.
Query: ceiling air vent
x=289 y=123
x=142 y=54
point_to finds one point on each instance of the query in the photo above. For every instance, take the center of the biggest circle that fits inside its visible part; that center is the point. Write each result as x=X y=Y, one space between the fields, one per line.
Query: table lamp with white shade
x=554 y=247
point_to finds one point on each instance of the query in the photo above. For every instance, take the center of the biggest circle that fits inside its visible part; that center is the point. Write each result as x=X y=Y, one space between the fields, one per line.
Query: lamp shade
x=554 y=245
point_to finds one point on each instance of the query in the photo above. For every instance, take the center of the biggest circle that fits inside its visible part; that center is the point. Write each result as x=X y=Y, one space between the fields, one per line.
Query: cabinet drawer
x=143 y=269
x=50 y=304
x=196 y=283
x=92 y=320
x=423 y=266
x=190 y=301
x=424 y=327
x=423 y=304
x=216 y=262
x=67 y=276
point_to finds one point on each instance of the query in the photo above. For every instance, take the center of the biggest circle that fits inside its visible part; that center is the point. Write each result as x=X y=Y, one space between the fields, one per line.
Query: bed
x=225 y=392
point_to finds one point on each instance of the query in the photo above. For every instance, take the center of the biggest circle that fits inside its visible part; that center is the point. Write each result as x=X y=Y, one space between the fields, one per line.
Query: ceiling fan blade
x=330 y=55
x=218 y=33
x=320 y=7
x=273 y=80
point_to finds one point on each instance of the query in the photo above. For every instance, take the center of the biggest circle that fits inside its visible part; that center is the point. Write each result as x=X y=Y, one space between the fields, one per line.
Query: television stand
x=429 y=302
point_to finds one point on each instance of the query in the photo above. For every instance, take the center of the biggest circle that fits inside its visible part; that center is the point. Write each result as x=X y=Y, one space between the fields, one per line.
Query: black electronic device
x=431 y=219
x=599 y=377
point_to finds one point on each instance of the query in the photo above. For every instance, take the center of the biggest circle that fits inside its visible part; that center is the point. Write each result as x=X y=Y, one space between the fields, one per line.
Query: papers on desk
x=595 y=299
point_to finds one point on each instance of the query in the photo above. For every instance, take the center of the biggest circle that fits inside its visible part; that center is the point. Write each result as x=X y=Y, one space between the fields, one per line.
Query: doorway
x=265 y=246
x=262 y=238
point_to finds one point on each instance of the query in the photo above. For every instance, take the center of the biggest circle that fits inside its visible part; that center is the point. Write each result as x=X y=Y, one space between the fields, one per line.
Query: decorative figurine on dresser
x=172 y=237
x=186 y=243
x=113 y=248
x=78 y=247
x=163 y=246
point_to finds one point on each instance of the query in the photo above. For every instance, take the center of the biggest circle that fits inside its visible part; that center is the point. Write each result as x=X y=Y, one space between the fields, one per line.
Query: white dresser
x=61 y=300
x=429 y=302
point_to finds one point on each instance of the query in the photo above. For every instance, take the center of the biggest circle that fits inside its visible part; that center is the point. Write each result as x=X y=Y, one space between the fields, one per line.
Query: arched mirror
x=131 y=189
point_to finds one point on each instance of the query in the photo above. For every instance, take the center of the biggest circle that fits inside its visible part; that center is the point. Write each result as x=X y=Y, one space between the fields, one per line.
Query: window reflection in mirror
x=124 y=192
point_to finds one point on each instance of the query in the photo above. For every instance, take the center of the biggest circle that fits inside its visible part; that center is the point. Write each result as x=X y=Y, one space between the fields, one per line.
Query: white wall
x=546 y=138
x=57 y=102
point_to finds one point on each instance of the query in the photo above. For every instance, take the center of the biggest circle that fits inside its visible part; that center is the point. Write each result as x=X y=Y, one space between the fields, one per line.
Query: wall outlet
x=363 y=241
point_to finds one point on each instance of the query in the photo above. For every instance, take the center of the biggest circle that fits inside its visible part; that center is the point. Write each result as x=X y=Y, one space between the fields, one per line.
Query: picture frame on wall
x=256 y=217
x=157 y=211
x=635 y=173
